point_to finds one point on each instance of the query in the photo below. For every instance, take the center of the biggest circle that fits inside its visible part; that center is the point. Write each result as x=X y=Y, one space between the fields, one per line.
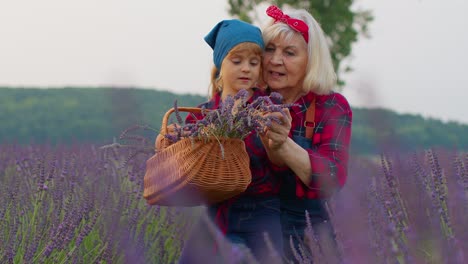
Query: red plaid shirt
x=263 y=180
x=328 y=149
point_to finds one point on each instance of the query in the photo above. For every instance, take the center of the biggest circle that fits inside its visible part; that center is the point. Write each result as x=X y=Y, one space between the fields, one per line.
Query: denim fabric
x=293 y=223
x=293 y=218
x=302 y=141
x=249 y=219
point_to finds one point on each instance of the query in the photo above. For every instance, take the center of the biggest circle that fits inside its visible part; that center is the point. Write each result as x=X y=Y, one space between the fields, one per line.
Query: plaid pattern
x=263 y=180
x=328 y=149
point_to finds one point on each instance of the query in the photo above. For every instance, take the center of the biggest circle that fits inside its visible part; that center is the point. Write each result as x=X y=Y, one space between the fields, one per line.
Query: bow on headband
x=296 y=24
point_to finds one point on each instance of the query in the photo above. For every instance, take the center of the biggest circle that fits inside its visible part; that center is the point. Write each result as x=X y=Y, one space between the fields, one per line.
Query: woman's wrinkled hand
x=277 y=133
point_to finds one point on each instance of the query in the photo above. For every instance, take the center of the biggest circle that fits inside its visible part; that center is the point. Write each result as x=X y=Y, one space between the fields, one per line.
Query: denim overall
x=248 y=218
x=293 y=219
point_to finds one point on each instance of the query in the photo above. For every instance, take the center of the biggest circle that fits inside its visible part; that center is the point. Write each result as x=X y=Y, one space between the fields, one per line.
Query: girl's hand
x=172 y=130
x=163 y=141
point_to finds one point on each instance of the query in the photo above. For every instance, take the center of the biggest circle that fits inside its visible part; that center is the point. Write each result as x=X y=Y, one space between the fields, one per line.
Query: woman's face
x=240 y=70
x=285 y=63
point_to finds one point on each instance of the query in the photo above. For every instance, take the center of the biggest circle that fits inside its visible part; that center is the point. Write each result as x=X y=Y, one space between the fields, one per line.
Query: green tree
x=339 y=21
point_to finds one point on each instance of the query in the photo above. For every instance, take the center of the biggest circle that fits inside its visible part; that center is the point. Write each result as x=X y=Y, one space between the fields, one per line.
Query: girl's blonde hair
x=216 y=82
x=320 y=76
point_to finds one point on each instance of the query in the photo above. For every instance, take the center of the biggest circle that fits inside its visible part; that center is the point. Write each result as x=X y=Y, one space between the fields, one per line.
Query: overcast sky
x=415 y=61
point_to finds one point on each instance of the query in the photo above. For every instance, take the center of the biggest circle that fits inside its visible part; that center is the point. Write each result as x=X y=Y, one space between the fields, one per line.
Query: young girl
x=247 y=218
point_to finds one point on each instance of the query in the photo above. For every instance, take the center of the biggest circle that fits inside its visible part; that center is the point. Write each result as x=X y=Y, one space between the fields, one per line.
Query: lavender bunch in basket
x=235 y=118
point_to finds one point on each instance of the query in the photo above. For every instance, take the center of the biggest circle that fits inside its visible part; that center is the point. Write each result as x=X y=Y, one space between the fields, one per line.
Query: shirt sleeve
x=330 y=151
x=192 y=118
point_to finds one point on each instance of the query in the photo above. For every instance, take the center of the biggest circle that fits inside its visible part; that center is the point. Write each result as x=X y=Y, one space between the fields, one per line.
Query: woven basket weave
x=191 y=172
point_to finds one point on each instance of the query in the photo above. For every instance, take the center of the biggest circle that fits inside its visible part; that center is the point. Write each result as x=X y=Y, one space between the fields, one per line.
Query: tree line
x=99 y=115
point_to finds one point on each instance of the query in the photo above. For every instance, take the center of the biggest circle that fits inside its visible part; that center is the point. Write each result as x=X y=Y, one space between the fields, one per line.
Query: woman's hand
x=277 y=134
x=283 y=151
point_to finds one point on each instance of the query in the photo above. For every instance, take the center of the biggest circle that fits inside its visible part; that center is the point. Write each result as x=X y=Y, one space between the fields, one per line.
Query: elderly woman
x=310 y=146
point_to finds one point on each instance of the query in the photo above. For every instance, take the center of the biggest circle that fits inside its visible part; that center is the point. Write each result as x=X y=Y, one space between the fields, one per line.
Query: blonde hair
x=320 y=76
x=216 y=82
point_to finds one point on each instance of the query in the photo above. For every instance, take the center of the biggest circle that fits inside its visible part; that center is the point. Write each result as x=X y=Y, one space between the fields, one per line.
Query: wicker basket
x=192 y=172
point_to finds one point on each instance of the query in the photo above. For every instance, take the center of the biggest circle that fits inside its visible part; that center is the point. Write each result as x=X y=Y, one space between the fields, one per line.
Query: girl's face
x=240 y=70
x=285 y=63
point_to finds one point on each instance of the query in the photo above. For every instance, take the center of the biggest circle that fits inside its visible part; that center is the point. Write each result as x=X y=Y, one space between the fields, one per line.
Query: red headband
x=296 y=24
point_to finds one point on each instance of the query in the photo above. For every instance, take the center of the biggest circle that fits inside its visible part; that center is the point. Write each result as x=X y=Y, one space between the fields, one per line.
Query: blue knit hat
x=227 y=34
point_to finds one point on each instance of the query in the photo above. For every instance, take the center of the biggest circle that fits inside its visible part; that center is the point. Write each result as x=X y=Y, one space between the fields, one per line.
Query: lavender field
x=83 y=204
x=78 y=204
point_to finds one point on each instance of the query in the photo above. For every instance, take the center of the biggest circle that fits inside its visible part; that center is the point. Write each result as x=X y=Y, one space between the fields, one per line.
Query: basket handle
x=180 y=109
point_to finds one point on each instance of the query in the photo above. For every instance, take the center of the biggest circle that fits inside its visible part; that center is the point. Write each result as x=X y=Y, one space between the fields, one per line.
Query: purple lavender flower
x=177 y=113
x=234 y=118
x=277 y=98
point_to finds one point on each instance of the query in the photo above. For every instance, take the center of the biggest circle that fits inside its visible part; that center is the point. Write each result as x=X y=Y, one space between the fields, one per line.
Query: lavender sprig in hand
x=235 y=118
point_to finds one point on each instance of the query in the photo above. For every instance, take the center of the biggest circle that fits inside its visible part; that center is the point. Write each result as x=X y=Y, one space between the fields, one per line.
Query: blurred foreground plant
x=76 y=204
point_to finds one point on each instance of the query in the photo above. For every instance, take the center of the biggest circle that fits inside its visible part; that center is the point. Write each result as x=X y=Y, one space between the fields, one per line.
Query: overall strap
x=309 y=123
